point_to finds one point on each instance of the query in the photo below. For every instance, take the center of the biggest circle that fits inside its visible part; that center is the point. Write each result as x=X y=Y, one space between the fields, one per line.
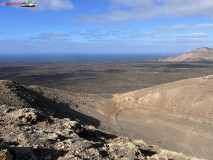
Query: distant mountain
x=200 y=54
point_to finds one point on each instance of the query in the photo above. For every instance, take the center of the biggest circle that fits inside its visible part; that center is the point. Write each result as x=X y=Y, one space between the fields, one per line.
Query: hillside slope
x=176 y=116
x=89 y=109
x=190 y=99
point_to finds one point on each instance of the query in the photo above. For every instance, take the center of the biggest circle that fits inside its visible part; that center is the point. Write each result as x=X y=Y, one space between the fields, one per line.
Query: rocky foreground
x=31 y=129
x=27 y=133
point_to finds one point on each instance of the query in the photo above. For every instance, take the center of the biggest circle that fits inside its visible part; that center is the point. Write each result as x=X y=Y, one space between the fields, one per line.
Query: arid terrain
x=166 y=103
x=37 y=123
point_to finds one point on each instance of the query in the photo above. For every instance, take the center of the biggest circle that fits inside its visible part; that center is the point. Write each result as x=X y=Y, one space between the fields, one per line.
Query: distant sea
x=78 y=57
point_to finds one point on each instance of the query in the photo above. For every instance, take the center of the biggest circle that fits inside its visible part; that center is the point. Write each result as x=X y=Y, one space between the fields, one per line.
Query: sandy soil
x=183 y=136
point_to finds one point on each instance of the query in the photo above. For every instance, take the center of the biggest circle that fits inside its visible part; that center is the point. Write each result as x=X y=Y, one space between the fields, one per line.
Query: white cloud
x=184 y=37
x=185 y=27
x=133 y=3
x=51 y=36
x=202 y=26
x=175 y=27
x=142 y=35
x=54 y=5
x=98 y=34
x=191 y=35
x=147 y=9
x=90 y=33
x=112 y=35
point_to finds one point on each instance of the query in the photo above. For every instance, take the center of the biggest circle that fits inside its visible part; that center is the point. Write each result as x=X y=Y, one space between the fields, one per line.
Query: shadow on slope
x=13 y=94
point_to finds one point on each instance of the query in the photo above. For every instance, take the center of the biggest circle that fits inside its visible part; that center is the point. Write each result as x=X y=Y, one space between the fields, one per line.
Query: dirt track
x=184 y=136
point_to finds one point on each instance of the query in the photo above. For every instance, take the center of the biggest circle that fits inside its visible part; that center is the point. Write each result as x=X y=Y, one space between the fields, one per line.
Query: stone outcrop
x=30 y=134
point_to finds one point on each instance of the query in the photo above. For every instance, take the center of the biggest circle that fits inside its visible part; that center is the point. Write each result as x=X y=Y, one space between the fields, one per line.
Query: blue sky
x=107 y=26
